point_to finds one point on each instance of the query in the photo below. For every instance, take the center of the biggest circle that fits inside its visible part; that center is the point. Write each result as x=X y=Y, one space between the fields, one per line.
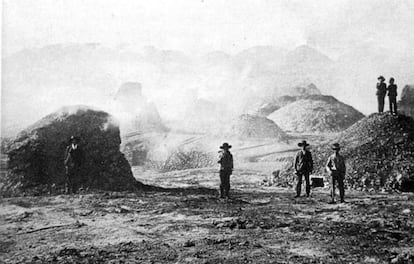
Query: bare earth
x=187 y=223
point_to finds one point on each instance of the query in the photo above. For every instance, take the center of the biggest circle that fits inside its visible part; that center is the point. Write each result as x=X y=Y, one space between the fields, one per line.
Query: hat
x=303 y=143
x=225 y=146
x=336 y=146
x=72 y=138
x=381 y=78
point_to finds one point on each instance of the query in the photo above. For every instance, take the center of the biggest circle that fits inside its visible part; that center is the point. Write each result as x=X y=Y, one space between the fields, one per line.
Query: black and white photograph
x=207 y=131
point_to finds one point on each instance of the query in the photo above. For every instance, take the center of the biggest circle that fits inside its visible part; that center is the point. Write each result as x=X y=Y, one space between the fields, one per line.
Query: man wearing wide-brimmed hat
x=73 y=162
x=303 y=167
x=226 y=169
x=337 y=169
x=392 y=96
x=381 y=92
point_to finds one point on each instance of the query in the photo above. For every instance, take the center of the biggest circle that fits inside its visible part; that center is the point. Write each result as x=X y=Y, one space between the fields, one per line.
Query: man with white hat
x=337 y=169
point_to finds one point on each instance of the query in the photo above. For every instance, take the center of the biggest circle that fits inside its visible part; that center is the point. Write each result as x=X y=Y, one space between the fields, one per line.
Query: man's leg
x=341 y=187
x=382 y=104
x=391 y=104
x=222 y=180
x=333 y=181
x=227 y=187
x=379 y=104
x=299 y=184
x=394 y=104
x=307 y=184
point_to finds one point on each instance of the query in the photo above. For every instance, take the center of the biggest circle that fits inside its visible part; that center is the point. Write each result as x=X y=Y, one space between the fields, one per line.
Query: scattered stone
x=189 y=243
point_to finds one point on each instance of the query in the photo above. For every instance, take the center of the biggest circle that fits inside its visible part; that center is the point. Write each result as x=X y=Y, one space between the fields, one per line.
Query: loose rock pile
x=36 y=156
x=250 y=126
x=315 y=113
x=379 y=153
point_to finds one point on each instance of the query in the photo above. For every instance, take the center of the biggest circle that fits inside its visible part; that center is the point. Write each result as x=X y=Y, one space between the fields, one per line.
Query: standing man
x=226 y=169
x=381 y=92
x=303 y=167
x=337 y=169
x=392 y=96
x=73 y=162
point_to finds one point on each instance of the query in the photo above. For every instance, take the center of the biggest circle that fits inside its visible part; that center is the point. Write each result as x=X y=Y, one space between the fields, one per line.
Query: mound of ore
x=378 y=150
x=251 y=126
x=36 y=156
x=315 y=113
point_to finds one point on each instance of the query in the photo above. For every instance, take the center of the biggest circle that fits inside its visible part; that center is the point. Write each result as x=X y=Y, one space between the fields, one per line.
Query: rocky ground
x=186 y=223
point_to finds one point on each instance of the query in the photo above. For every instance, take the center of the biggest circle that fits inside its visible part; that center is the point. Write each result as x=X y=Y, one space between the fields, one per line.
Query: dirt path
x=188 y=224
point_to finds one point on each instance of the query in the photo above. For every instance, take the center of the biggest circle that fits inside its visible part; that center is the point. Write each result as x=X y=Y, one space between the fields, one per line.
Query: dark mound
x=36 y=156
x=316 y=113
x=249 y=126
x=406 y=104
x=379 y=152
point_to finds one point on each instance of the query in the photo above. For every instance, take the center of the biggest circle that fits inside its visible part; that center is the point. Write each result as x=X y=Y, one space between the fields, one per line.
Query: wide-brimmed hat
x=73 y=138
x=303 y=143
x=381 y=78
x=336 y=146
x=225 y=146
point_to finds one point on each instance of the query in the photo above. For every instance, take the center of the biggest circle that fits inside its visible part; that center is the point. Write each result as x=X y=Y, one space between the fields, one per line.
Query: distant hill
x=90 y=73
x=316 y=113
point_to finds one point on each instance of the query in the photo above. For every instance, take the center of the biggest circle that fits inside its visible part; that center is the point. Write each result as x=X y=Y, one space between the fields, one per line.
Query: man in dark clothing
x=303 y=167
x=73 y=162
x=337 y=169
x=226 y=169
x=381 y=92
x=392 y=96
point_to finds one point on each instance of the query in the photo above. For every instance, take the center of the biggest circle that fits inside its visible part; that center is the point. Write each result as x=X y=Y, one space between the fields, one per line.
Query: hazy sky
x=205 y=25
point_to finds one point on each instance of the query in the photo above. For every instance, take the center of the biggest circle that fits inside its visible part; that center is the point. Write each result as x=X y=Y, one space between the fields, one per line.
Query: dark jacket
x=226 y=161
x=392 y=90
x=336 y=164
x=303 y=162
x=381 y=89
x=73 y=157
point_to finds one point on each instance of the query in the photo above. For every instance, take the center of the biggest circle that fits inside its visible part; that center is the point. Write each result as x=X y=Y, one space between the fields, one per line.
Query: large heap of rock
x=286 y=97
x=36 y=156
x=316 y=113
x=406 y=104
x=250 y=126
x=378 y=150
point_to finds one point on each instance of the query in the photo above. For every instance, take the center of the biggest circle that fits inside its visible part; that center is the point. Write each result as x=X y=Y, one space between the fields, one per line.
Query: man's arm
x=295 y=162
x=310 y=162
x=328 y=165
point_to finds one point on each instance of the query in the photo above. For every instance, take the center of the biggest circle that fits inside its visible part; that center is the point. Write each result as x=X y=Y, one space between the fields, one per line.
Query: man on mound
x=226 y=169
x=303 y=167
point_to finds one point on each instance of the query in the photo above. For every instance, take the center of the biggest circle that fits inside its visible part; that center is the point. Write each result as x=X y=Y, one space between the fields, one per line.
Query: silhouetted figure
x=381 y=92
x=73 y=162
x=303 y=167
x=337 y=169
x=226 y=169
x=392 y=96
